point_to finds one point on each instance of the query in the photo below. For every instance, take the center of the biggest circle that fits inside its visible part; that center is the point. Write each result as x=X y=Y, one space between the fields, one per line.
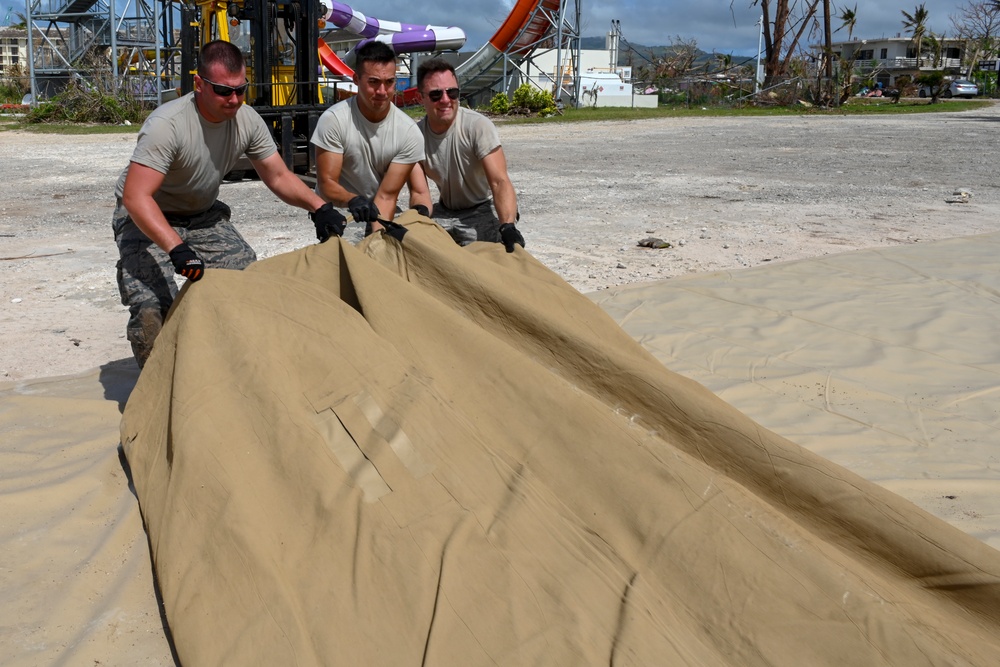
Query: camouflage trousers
x=146 y=275
x=469 y=225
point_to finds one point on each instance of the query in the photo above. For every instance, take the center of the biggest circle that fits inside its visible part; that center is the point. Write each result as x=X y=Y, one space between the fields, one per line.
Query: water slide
x=523 y=27
x=402 y=37
x=333 y=62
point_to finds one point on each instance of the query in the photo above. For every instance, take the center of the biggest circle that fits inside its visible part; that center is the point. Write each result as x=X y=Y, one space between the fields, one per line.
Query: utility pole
x=758 y=75
x=828 y=49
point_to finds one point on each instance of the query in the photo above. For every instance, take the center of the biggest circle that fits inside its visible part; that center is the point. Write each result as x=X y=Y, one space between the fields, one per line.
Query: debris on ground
x=959 y=197
x=653 y=242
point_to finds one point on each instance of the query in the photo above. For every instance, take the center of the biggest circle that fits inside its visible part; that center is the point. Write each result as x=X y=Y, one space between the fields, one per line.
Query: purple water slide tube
x=402 y=37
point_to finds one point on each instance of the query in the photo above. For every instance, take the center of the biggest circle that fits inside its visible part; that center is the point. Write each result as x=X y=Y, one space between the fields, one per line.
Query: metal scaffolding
x=148 y=46
x=94 y=42
x=552 y=25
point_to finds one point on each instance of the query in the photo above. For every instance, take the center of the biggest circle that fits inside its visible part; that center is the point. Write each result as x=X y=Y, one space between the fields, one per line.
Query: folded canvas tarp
x=418 y=454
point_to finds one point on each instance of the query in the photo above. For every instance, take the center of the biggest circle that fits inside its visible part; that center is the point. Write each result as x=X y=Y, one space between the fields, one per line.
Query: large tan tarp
x=75 y=579
x=886 y=361
x=413 y=453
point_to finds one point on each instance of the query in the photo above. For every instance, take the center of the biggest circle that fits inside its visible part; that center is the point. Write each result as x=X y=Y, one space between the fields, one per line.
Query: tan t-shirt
x=454 y=160
x=193 y=154
x=368 y=148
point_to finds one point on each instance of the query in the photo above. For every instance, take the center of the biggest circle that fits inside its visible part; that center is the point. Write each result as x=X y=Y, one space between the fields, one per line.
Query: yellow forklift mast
x=279 y=39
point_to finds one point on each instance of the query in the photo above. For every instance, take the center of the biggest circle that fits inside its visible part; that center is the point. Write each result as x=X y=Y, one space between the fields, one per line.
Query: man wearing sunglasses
x=365 y=146
x=168 y=217
x=463 y=156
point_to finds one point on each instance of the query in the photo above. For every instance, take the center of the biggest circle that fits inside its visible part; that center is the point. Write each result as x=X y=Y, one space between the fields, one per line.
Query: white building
x=603 y=83
x=13 y=48
x=886 y=59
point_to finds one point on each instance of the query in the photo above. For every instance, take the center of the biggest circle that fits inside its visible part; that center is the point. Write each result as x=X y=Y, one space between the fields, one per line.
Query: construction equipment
x=280 y=41
x=152 y=49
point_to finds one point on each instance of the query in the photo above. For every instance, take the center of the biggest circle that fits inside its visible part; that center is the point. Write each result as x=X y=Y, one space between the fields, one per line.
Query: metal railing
x=926 y=63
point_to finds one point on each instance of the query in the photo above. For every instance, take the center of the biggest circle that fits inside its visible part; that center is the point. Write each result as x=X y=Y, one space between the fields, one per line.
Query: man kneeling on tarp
x=168 y=216
x=464 y=158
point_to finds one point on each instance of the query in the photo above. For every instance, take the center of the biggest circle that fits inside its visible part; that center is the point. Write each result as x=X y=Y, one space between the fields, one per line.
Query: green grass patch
x=861 y=106
x=15 y=123
x=414 y=112
x=855 y=106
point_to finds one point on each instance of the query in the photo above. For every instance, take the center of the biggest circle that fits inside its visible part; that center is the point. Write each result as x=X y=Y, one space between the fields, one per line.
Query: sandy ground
x=725 y=194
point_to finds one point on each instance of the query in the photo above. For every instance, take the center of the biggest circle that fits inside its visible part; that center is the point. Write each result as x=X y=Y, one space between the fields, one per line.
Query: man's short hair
x=373 y=52
x=433 y=66
x=220 y=52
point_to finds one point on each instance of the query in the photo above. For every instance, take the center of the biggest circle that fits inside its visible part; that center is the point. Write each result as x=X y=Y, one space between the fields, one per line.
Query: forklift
x=279 y=39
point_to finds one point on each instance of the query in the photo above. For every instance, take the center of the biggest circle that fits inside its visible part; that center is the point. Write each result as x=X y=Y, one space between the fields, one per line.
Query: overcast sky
x=714 y=24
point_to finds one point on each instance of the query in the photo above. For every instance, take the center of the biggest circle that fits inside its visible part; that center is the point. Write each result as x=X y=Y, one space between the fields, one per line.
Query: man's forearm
x=418 y=198
x=386 y=203
x=505 y=202
x=148 y=217
x=291 y=190
x=420 y=191
x=334 y=192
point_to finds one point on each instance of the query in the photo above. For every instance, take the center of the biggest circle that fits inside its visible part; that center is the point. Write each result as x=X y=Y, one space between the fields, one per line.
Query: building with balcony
x=13 y=48
x=886 y=59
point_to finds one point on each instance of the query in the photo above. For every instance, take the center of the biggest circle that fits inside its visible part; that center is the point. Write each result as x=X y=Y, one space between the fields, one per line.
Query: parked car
x=956 y=88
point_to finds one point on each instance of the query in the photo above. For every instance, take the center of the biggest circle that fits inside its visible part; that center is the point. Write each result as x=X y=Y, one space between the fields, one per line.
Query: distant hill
x=641 y=51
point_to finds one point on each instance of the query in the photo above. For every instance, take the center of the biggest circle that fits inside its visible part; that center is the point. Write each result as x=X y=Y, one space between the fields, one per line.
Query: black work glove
x=421 y=209
x=329 y=222
x=363 y=209
x=187 y=263
x=509 y=236
x=394 y=229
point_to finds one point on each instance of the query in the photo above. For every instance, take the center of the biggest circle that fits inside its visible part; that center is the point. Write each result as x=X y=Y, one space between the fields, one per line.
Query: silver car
x=956 y=88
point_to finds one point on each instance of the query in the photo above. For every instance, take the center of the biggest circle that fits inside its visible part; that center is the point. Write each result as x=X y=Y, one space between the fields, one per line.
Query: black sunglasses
x=437 y=94
x=226 y=91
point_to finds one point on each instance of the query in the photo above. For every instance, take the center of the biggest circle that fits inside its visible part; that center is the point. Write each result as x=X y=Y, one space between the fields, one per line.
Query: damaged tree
x=785 y=23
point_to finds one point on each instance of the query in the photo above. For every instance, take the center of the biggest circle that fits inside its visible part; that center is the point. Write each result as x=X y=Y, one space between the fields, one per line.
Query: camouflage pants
x=469 y=225
x=146 y=275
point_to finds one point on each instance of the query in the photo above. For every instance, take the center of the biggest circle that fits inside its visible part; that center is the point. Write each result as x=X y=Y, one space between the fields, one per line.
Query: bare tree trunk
x=777 y=53
x=773 y=40
x=828 y=50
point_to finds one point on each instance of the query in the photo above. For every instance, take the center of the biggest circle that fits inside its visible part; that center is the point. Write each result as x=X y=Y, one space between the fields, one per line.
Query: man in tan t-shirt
x=366 y=146
x=168 y=212
x=464 y=158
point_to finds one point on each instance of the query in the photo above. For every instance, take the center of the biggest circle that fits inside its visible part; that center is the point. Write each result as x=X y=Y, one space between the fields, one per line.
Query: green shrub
x=671 y=97
x=499 y=104
x=83 y=103
x=534 y=99
x=14 y=83
x=524 y=96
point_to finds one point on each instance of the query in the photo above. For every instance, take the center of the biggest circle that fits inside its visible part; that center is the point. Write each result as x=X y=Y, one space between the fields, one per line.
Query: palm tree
x=725 y=61
x=936 y=46
x=22 y=20
x=916 y=25
x=849 y=19
x=828 y=48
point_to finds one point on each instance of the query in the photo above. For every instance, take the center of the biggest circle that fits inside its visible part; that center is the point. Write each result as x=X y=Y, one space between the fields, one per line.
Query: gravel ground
x=724 y=193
